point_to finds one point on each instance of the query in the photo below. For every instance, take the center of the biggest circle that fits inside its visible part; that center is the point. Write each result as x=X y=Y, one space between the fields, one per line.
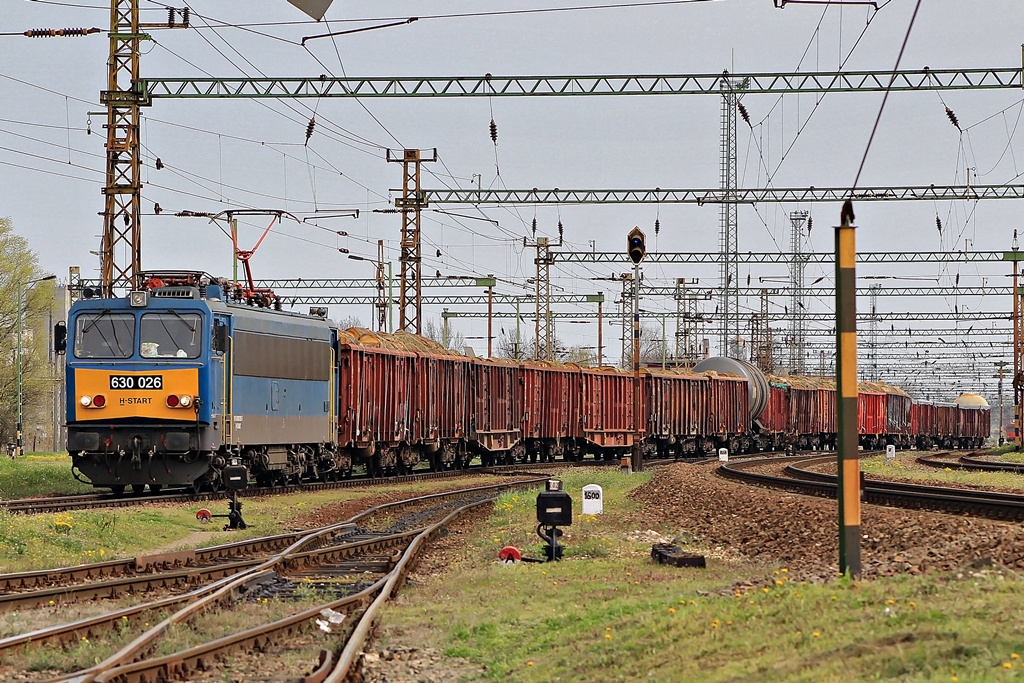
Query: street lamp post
x=23 y=287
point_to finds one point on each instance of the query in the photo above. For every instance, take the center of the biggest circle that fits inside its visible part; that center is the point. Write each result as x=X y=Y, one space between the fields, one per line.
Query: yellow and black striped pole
x=846 y=392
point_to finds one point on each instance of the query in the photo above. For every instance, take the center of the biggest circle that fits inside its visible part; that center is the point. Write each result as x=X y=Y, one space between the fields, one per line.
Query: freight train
x=169 y=385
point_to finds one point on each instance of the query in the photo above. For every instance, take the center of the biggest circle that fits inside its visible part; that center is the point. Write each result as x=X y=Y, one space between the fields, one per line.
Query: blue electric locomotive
x=165 y=386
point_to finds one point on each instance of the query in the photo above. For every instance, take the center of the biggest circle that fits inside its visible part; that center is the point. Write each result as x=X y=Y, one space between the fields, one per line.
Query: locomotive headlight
x=186 y=401
x=86 y=401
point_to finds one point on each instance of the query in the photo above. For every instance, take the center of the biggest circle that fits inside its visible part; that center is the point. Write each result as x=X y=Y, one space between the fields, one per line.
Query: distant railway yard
x=149 y=593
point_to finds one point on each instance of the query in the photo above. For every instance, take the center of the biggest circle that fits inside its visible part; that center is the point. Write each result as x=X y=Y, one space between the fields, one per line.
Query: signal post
x=636 y=249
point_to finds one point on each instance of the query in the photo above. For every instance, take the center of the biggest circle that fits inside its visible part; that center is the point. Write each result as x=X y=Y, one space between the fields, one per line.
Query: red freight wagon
x=923 y=424
x=442 y=405
x=375 y=420
x=812 y=416
x=730 y=411
x=974 y=421
x=898 y=418
x=946 y=421
x=551 y=410
x=676 y=405
x=774 y=421
x=871 y=416
x=606 y=406
x=496 y=413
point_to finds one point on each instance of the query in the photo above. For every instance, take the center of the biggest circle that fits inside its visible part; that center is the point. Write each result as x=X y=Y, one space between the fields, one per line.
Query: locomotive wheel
x=117 y=490
x=138 y=488
x=195 y=486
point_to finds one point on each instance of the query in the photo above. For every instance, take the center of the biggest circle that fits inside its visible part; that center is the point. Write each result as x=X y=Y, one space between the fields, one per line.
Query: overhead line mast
x=121 y=247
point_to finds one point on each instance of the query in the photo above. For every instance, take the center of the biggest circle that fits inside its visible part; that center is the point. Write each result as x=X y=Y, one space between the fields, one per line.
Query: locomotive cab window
x=104 y=335
x=171 y=335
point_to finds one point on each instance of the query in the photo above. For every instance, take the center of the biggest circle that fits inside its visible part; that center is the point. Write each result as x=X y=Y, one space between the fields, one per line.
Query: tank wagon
x=169 y=385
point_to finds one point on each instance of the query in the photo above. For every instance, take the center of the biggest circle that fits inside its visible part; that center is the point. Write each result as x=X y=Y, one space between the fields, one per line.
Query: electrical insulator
x=170 y=17
x=309 y=129
x=657 y=226
x=560 y=230
x=62 y=32
x=157 y=209
x=938 y=223
x=185 y=16
x=494 y=132
x=159 y=164
x=952 y=118
x=743 y=113
x=534 y=226
x=810 y=223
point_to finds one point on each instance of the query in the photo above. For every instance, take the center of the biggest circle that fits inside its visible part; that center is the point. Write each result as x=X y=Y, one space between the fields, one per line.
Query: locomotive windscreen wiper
x=92 y=323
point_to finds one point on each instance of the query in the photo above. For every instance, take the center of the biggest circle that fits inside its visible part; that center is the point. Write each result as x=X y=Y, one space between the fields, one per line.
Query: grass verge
x=904 y=466
x=39 y=474
x=607 y=613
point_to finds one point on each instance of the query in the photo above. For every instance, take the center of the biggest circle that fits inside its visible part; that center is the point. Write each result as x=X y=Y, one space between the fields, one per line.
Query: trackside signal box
x=554 y=506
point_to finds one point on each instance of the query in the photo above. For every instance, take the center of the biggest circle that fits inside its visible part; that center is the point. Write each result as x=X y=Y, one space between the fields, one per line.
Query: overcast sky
x=221 y=154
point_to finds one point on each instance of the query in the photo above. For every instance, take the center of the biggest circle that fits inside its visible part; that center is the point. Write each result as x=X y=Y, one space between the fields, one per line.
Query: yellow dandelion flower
x=816 y=635
x=784 y=570
x=554 y=583
x=682 y=602
x=714 y=624
x=912 y=603
x=671 y=610
x=607 y=636
x=607 y=628
x=1006 y=665
x=102 y=552
x=775 y=573
x=890 y=602
x=529 y=662
x=834 y=598
x=778 y=582
x=544 y=573
x=693 y=602
x=764 y=590
x=750 y=602
x=497 y=540
x=954 y=679
x=629 y=573
x=1014 y=655
x=52 y=603
x=729 y=623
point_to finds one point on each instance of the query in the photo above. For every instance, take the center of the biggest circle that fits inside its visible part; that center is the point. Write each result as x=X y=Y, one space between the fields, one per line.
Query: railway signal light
x=636 y=246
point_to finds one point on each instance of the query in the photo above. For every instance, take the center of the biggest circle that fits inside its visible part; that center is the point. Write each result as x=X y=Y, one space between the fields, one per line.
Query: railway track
x=359 y=547
x=988 y=504
x=90 y=501
x=970 y=462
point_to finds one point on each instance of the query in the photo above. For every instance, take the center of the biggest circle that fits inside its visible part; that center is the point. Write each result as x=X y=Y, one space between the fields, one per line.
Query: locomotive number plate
x=136 y=382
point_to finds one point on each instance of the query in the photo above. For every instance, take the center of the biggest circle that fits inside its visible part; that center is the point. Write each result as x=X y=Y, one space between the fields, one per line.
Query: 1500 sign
x=136 y=382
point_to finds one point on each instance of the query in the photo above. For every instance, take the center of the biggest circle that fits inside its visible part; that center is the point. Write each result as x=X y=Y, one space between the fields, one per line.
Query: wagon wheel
x=117 y=490
x=138 y=489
